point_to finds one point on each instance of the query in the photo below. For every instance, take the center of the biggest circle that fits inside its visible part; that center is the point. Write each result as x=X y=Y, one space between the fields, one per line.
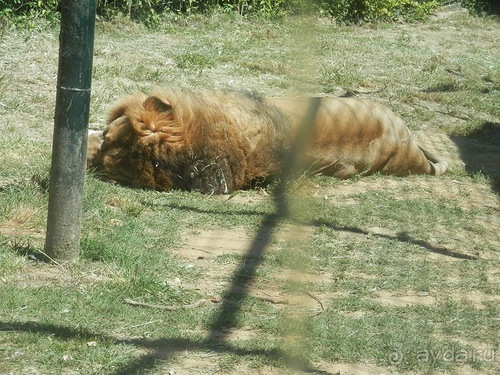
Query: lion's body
x=353 y=136
x=217 y=142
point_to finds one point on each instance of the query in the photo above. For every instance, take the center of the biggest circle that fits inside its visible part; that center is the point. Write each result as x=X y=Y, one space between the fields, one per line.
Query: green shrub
x=150 y=12
x=28 y=7
x=482 y=6
x=347 y=11
x=24 y=12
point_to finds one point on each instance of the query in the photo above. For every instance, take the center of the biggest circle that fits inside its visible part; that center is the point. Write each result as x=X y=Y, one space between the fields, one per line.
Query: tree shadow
x=402 y=237
x=480 y=151
x=157 y=349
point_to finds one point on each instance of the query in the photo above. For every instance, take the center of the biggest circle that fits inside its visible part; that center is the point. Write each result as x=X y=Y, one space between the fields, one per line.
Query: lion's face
x=125 y=153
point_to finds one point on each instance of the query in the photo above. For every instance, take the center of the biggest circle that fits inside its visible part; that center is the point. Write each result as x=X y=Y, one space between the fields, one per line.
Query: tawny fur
x=218 y=142
x=354 y=136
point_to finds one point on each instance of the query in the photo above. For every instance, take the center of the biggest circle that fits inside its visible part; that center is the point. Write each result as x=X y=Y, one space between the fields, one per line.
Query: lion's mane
x=192 y=140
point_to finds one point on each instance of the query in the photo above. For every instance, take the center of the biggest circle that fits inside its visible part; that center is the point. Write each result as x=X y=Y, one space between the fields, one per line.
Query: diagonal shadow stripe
x=249 y=265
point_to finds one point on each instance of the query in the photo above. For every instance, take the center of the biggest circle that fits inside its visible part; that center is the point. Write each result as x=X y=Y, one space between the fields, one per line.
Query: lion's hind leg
x=438 y=165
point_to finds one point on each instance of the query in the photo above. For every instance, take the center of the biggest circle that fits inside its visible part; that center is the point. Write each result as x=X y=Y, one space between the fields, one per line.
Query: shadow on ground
x=402 y=237
x=156 y=351
x=159 y=350
x=480 y=151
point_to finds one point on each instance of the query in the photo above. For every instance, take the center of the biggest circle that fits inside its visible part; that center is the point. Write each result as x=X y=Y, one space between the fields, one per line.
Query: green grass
x=390 y=274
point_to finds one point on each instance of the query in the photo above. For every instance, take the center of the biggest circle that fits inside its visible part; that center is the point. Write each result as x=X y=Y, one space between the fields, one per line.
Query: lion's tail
x=439 y=166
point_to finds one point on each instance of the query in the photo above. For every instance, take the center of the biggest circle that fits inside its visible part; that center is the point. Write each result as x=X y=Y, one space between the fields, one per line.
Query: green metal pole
x=67 y=174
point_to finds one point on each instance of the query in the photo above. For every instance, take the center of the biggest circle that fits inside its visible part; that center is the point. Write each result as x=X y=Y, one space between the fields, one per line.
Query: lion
x=359 y=137
x=221 y=141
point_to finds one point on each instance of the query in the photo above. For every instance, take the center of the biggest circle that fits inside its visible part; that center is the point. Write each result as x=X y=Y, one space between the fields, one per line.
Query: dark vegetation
x=152 y=12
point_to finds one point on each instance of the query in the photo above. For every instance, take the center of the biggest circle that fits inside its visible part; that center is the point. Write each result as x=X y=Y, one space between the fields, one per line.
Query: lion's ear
x=155 y=104
x=157 y=122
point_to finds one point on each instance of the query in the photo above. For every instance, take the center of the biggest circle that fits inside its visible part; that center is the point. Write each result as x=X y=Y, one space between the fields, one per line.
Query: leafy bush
x=482 y=6
x=24 y=12
x=27 y=7
x=346 y=11
x=342 y=10
x=150 y=12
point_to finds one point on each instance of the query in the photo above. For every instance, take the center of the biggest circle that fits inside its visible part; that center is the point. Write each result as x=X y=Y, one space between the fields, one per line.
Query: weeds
x=150 y=12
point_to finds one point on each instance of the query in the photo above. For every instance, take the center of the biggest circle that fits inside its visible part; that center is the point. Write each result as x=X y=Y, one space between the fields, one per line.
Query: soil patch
x=397 y=300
